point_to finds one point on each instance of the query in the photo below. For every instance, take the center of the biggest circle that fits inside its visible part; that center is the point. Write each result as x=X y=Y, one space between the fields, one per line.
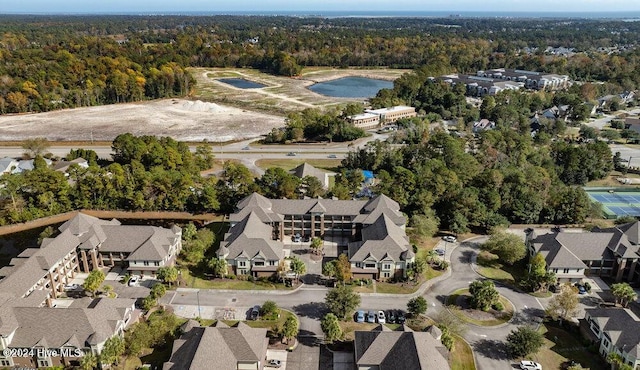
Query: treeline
x=314 y=125
x=504 y=176
x=507 y=178
x=57 y=62
x=148 y=174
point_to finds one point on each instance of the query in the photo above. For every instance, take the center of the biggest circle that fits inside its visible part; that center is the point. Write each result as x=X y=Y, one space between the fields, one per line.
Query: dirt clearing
x=181 y=119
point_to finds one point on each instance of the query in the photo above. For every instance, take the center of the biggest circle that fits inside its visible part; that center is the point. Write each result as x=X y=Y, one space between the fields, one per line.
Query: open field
x=181 y=119
x=281 y=94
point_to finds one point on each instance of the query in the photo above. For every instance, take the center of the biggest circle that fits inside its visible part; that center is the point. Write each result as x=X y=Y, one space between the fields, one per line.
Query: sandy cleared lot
x=225 y=113
x=181 y=119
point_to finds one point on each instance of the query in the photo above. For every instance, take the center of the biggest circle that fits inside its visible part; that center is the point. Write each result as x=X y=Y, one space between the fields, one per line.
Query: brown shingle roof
x=407 y=350
x=219 y=348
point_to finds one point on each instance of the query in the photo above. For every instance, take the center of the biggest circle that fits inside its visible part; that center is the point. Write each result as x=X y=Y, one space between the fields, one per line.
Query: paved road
x=487 y=342
x=307 y=303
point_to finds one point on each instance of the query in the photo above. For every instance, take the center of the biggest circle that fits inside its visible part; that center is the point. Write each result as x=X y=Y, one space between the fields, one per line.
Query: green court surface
x=616 y=202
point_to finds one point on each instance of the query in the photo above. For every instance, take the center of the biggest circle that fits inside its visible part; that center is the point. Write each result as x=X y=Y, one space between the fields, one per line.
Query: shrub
x=587 y=286
x=498 y=306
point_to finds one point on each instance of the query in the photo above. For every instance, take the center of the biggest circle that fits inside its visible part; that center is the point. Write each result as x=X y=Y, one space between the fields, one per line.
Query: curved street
x=307 y=303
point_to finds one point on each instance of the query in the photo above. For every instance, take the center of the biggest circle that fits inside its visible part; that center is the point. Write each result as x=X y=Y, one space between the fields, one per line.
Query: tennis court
x=616 y=203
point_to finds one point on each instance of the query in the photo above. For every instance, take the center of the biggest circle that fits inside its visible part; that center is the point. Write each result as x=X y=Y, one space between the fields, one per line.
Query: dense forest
x=458 y=183
x=52 y=62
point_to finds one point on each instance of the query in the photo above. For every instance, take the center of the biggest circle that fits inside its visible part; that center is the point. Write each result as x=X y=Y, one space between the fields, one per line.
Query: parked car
x=582 y=289
x=360 y=316
x=133 y=280
x=255 y=312
x=400 y=317
x=246 y=148
x=72 y=287
x=449 y=239
x=440 y=252
x=291 y=154
x=306 y=238
x=333 y=156
x=391 y=317
x=382 y=319
x=530 y=365
x=296 y=238
x=274 y=363
x=371 y=317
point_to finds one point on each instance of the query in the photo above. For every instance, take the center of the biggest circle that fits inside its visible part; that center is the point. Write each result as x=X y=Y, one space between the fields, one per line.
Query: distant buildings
x=491 y=82
x=375 y=117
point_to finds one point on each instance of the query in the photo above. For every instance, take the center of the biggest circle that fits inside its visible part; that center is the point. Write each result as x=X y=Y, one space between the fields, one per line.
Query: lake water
x=241 y=83
x=351 y=87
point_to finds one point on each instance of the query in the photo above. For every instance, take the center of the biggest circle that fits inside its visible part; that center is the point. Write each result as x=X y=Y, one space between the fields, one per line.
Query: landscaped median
x=458 y=303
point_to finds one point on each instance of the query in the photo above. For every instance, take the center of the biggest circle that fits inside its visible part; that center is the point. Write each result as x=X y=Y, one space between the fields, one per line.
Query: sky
x=159 y=6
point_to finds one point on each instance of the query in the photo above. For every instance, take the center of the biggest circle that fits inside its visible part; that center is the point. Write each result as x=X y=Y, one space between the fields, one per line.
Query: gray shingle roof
x=622 y=326
x=219 y=347
x=251 y=237
x=81 y=223
x=32 y=269
x=57 y=327
x=407 y=350
x=306 y=169
x=381 y=240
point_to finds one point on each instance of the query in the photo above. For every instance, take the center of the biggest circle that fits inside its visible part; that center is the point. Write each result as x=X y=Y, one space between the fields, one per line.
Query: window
x=385 y=274
x=258 y=263
x=242 y=263
x=565 y=271
x=5 y=363
x=272 y=263
x=146 y=263
x=369 y=265
x=156 y=263
x=43 y=363
x=386 y=266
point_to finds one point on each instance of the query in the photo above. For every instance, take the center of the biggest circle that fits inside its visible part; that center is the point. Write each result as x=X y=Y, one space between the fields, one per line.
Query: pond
x=241 y=83
x=351 y=87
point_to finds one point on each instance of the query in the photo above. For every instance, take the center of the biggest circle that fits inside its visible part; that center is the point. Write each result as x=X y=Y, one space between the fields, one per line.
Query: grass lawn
x=288 y=164
x=507 y=313
x=350 y=326
x=266 y=324
x=461 y=355
x=200 y=283
x=561 y=346
x=610 y=180
x=397 y=288
x=490 y=267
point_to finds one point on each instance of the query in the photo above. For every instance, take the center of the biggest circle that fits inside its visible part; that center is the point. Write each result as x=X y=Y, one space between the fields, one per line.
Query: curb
x=249 y=291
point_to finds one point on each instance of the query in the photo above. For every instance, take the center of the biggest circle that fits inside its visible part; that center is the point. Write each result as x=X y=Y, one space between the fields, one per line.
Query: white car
x=450 y=239
x=530 y=365
x=381 y=317
x=133 y=281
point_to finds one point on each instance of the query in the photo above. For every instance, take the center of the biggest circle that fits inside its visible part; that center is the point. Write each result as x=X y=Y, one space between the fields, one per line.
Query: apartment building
x=372 y=232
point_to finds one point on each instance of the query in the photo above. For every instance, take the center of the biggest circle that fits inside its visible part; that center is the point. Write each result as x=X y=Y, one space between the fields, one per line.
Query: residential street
x=307 y=303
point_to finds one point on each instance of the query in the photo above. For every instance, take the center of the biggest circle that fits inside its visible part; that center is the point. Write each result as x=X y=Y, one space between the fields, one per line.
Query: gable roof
x=249 y=238
x=220 y=347
x=56 y=327
x=381 y=240
x=621 y=325
x=405 y=349
x=305 y=169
